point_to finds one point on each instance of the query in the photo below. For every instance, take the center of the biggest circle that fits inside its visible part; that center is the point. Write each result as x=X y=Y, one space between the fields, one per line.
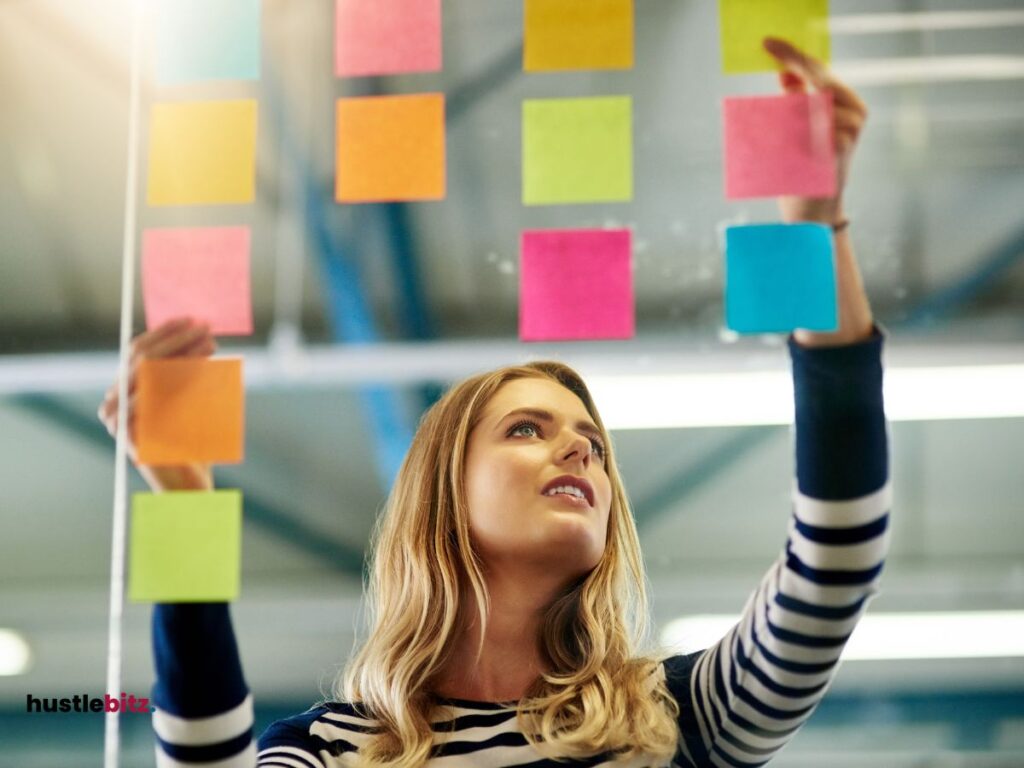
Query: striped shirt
x=740 y=701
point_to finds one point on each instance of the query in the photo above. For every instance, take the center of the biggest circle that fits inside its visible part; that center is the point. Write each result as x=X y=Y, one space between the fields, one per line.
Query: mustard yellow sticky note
x=577 y=34
x=185 y=546
x=745 y=23
x=202 y=153
x=190 y=409
x=577 y=150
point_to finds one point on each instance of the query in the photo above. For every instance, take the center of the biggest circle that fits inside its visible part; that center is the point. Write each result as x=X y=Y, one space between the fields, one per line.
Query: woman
x=507 y=601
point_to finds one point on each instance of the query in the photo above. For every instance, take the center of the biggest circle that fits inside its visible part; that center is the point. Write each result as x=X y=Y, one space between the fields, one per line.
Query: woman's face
x=530 y=459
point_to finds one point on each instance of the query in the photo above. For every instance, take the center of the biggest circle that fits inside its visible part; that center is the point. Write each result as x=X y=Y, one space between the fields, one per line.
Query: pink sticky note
x=779 y=145
x=201 y=273
x=385 y=37
x=576 y=284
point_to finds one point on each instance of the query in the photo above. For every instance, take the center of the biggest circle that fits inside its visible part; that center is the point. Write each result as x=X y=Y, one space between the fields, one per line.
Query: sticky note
x=745 y=23
x=779 y=145
x=577 y=34
x=779 y=277
x=577 y=150
x=576 y=284
x=386 y=37
x=200 y=40
x=190 y=409
x=390 y=148
x=185 y=546
x=202 y=152
x=201 y=273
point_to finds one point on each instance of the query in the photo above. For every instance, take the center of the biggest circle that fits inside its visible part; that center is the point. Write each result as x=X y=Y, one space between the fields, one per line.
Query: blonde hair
x=600 y=695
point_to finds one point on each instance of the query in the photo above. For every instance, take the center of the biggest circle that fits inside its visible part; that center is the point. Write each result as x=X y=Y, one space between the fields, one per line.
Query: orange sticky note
x=390 y=148
x=202 y=153
x=190 y=409
x=577 y=34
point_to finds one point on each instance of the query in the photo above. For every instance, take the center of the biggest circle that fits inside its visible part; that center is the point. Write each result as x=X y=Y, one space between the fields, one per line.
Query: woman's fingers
x=202 y=347
x=792 y=82
x=813 y=71
x=146 y=339
x=107 y=413
x=797 y=61
x=168 y=339
x=173 y=344
x=848 y=120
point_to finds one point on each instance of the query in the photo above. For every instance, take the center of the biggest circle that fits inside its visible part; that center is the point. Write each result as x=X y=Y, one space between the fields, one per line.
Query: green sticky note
x=577 y=150
x=745 y=23
x=185 y=547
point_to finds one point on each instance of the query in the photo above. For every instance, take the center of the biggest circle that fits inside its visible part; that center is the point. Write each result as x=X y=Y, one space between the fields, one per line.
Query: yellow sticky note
x=186 y=546
x=577 y=34
x=577 y=150
x=745 y=23
x=190 y=409
x=202 y=153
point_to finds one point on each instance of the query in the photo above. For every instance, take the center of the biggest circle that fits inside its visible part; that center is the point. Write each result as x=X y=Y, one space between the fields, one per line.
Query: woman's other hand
x=175 y=338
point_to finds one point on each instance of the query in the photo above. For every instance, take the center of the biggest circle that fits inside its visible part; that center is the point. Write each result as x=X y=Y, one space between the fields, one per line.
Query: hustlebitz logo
x=83 y=702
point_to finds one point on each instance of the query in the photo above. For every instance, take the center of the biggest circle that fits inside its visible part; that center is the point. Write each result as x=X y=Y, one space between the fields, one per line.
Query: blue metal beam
x=348 y=310
x=962 y=290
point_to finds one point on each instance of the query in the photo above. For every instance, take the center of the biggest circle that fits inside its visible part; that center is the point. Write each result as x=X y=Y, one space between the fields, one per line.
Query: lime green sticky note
x=577 y=150
x=745 y=23
x=185 y=547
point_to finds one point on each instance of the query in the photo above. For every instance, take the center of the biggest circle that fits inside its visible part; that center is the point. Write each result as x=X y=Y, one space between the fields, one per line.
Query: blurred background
x=364 y=313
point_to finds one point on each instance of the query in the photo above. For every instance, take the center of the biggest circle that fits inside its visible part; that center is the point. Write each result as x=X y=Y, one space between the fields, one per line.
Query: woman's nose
x=579 y=448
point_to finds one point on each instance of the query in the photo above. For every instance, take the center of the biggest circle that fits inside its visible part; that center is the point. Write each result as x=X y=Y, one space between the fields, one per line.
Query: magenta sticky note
x=779 y=145
x=576 y=284
x=386 y=37
x=201 y=273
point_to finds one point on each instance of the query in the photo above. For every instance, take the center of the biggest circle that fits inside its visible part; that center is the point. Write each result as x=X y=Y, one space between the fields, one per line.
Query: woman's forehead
x=538 y=394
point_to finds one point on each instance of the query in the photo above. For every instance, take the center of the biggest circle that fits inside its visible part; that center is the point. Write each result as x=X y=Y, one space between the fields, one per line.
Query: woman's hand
x=854 y=311
x=801 y=71
x=175 y=338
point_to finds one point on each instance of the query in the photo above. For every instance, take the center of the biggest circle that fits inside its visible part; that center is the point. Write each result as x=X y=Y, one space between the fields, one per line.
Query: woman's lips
x=566 y=498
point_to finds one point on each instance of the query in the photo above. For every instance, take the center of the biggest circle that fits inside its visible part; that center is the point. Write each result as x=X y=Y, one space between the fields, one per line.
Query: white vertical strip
x=111 y=741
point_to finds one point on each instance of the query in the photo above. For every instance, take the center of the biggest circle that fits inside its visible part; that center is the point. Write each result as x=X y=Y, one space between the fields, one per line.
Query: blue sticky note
x=779 y=277
x=199 y=40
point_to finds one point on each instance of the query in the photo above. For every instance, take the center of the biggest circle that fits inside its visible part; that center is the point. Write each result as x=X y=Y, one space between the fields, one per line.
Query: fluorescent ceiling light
x=874 y=23
x=889 y=636
x=644 y=386
x=766 y=397
x=15 y=654
x=929 y=69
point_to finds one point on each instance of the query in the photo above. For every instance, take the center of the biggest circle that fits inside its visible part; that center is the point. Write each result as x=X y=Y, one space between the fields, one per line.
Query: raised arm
x=745 y=697
x=750 y=692
x=203 y=711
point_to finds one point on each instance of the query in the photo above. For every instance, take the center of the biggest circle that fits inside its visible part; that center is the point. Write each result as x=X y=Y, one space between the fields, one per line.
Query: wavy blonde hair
x=600 y=695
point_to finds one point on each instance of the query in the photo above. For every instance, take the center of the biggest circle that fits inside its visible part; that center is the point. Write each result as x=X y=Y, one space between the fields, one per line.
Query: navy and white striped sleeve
x=203 y=710
x=751 y=691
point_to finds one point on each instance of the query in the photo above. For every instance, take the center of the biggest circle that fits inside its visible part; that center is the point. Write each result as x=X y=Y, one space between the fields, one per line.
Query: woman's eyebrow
x=546 y=416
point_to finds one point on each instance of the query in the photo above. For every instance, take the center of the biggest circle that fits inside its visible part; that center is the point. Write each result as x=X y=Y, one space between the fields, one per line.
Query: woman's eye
x=526 y=428
x=598 y=447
